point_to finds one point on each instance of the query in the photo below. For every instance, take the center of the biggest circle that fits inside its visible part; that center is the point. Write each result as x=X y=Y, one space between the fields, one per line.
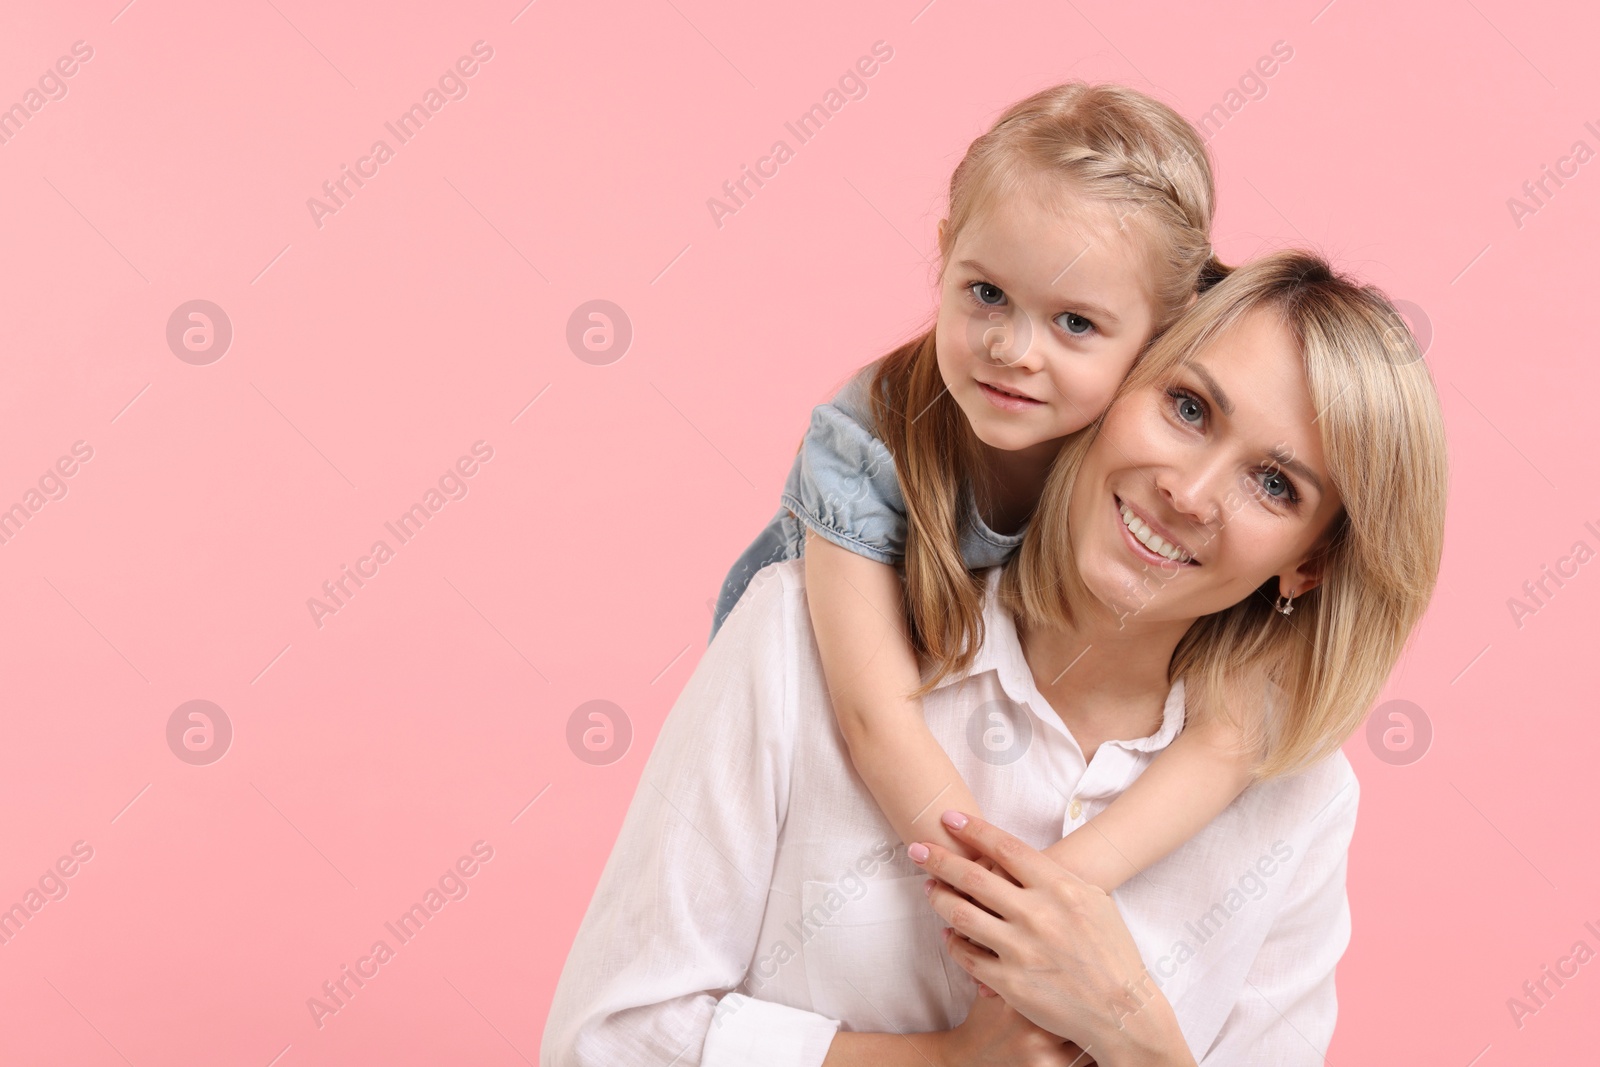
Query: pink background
x=431 y=310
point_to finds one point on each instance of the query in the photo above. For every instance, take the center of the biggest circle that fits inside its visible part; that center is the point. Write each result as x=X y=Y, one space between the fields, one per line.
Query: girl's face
x=1044 y=303
x=1199 y=489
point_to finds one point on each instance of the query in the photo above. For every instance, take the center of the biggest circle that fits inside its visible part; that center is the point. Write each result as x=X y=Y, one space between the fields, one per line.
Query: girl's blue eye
x=1076 y=325
x=987 y=294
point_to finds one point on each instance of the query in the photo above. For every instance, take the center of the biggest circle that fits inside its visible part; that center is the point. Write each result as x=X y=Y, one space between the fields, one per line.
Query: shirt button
x=1074 y=809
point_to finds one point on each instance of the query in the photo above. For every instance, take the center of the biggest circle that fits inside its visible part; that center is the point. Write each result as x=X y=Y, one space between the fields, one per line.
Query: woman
x=1286 y=436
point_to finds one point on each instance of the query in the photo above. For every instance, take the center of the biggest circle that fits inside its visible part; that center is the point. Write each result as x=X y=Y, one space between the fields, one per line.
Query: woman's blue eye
x=986 y=293
x=1076 y=325
x=1189 y=409
x=1278 y=486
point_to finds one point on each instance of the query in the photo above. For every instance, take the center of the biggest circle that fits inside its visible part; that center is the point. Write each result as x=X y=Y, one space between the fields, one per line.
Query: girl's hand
x=1052 y=945
x=996 y=1035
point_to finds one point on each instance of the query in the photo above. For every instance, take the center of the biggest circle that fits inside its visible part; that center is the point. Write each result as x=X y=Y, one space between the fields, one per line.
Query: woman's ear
x=1306 y=576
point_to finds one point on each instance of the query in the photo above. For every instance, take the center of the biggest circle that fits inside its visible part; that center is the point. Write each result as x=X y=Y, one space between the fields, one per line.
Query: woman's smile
x=1148 y=539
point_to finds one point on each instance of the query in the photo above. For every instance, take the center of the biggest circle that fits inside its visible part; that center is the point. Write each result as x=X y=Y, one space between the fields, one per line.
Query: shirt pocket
x=877 y=963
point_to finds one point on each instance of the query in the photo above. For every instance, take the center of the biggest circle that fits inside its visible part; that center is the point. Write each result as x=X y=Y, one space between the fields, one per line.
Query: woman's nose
x=1194 y=491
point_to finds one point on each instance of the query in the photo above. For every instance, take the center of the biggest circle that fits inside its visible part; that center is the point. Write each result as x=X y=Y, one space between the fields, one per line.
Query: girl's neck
x=1010 y=483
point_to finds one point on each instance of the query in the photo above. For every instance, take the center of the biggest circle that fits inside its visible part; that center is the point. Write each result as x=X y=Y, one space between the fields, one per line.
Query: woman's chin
x=1126 y=593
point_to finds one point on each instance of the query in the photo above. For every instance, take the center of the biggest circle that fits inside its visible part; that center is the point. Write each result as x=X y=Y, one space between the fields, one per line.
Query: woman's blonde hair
x=1383 y=440
x=1106 y=143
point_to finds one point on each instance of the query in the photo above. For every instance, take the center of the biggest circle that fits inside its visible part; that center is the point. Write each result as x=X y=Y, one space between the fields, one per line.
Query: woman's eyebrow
x=1285 y=459
x=1218 y=397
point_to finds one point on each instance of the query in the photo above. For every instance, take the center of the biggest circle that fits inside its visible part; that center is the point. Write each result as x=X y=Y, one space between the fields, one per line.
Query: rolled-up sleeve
x=747 y=1031
x=843 y=484
x=1286 y=1011
x=673 y=925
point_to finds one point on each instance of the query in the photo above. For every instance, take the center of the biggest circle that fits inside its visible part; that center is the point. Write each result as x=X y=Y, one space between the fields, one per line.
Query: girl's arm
x=993 y=1032
x=858 y=613
x=1183 y=789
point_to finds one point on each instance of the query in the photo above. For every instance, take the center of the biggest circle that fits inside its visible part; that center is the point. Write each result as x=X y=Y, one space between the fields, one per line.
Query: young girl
x=1078 y=229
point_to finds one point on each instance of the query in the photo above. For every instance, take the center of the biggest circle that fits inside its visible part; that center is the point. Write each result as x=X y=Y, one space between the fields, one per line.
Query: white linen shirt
x=757 y=899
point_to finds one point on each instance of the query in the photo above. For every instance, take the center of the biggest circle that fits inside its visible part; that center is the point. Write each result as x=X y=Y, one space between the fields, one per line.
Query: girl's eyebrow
x=975 y=265
x=1099 y=313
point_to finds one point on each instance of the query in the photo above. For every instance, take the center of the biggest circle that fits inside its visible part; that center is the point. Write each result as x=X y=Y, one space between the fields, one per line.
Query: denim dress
x=843 y=486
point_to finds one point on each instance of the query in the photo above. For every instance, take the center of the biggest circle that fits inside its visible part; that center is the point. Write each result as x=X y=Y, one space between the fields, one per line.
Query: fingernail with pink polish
x=954 y=819
x=918 y=852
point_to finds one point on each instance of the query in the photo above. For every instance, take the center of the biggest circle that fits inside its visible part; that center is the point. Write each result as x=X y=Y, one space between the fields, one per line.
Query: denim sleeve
x=843 y=485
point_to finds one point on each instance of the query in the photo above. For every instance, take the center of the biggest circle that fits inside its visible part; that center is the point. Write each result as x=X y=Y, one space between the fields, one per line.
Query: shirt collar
x=1001 y=652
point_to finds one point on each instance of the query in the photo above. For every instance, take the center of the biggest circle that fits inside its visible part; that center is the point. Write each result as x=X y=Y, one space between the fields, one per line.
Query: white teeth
x=1150 y=540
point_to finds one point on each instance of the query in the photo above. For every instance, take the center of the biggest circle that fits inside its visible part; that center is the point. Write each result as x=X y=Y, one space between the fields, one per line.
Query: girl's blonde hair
x=1104 y=142
x=1383 y=440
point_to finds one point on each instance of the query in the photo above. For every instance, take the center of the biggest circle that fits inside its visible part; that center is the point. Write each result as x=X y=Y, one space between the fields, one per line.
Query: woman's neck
x=1106 y=676
x=1010 y=483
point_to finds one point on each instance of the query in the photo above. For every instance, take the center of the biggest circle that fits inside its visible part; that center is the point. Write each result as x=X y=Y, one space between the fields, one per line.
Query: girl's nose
x=1006 y=339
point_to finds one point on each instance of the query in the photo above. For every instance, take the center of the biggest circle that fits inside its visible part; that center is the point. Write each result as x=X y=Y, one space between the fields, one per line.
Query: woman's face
x=1200 y=488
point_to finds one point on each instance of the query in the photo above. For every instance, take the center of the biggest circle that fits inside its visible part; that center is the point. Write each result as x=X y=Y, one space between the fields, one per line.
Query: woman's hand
x=1052 y=945
x=987 y=864
x=994 y=1034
